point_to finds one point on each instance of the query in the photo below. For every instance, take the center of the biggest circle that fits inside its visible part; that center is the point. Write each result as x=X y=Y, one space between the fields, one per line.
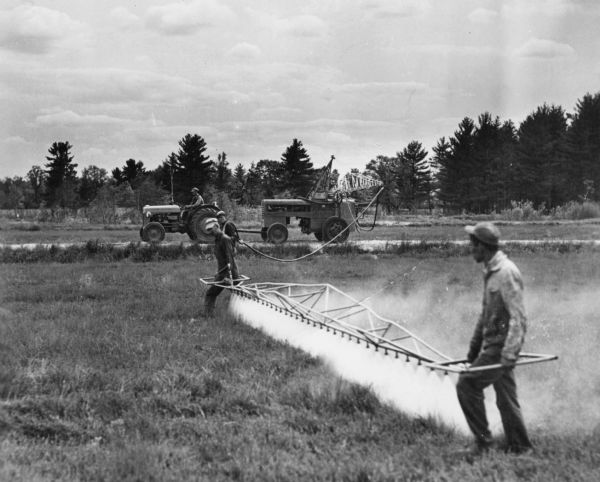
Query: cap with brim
x=485 y=232
x=211 y=224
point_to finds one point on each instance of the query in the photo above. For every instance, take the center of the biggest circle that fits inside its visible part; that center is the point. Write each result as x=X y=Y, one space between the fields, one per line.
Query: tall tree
x=413 y=176
x=540 y=156
x=192 y=167
x=457 y=168
x=297 y=169
x=445 y=177
x=36 y=177
x=61 y=179
x=583 y=137
x=92 y=180
x=385 y=169
x=132 y=172
x=237 y=183
x=222 y=173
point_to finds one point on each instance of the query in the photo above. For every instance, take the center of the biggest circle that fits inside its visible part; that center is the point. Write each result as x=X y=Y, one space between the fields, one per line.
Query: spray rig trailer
x=328 y=212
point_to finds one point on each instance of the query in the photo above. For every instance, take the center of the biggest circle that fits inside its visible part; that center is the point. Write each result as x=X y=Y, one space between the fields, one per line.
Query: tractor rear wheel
x=196 y=226
x=277 y=233
x=153 y=232
x=334 y=226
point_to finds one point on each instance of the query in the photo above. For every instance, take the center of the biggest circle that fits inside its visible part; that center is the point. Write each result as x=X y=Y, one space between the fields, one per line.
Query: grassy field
x=390 y=229
x=109 y=371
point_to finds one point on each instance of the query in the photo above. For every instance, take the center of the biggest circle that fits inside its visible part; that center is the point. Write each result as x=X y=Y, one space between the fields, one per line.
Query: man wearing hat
x=226 y=266
x=497 y=339
x=197 y=199
x=228 y=228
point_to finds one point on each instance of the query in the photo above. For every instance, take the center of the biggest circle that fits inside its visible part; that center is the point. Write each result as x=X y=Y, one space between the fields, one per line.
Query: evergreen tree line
x=550 y=159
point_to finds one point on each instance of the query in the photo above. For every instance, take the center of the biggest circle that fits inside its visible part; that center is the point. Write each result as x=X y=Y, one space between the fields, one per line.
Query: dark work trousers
x=210 y=298
x=470 y=395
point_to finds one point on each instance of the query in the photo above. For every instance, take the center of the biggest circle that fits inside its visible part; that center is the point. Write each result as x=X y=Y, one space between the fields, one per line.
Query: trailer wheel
x=143 y=235
x=196 y=226
x=277 y=233
x=334 y=226
x=153 y=232
x=263 y=234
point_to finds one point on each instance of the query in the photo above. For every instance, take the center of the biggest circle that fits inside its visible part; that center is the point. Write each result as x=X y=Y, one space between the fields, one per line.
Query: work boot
x=474 y=450
x=518 y=450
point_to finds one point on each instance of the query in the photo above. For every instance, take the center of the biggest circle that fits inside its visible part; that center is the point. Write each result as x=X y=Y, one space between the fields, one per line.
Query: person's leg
x=507 y=402
x=210 y=299
x=469 y=389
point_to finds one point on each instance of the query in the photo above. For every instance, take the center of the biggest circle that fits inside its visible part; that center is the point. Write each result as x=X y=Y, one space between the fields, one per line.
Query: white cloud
x=124 y=17
x=544 y=49
x=371 y=88
x=483 y=16
x=187 y=18
x=395 y=8
x=14 y=140
x=37 y=30
x=96 y=86
x=302 y=26
x=551 y=8
x=244 y=51
x=70 y=118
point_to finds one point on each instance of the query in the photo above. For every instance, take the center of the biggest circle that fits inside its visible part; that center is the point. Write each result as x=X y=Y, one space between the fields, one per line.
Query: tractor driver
x=228 y=228
x=227 y=270
x=197 y=199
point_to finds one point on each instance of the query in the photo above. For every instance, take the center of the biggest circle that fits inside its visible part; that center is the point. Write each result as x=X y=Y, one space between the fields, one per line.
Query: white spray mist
x=413 y=389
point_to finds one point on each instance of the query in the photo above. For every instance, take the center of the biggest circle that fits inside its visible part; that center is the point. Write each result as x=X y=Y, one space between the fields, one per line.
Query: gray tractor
x=171 y=218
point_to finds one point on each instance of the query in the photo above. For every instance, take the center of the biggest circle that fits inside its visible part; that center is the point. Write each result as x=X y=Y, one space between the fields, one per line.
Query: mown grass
x=109 y=371
x=392 y=228
x=95 y=250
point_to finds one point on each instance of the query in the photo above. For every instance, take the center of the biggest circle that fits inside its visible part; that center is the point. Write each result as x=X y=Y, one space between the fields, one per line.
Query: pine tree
x=583 y=137
x=61 y=180
x=192 y=168
x=238 y=182
x=297 y=169
x=540 y=156
x=222 y=173
x=413 y=178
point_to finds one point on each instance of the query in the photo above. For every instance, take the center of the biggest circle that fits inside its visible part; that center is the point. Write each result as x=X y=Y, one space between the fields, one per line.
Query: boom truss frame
x=328 y=308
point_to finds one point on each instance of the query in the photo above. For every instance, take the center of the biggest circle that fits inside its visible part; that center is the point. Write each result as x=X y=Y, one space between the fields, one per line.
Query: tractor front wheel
x=333 y=227
x=277 y=233
x=196 y=225
x=153 y=232
x=318 y=235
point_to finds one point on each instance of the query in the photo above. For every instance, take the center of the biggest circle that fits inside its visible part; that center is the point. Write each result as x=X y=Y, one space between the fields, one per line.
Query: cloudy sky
x=353 y=78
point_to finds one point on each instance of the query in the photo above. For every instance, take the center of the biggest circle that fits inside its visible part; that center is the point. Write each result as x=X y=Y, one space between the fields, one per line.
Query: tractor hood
x=168 y=208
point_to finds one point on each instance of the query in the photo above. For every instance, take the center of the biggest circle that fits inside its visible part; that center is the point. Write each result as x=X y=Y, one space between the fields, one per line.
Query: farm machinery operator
x=227 y=270
x=228 y=228
x=197 y=199
x=497 y=339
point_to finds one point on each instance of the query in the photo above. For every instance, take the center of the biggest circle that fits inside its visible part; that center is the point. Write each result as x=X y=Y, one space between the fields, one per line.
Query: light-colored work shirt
x=502 y=325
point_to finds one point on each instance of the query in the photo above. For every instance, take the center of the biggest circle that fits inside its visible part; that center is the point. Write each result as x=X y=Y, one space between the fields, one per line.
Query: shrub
x=523 y=211
x=576 y=210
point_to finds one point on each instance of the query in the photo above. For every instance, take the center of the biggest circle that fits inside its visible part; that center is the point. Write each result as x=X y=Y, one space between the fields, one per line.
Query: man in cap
x=227 y=270
x=197 y=199
x=228 y=228
x=497 y=339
